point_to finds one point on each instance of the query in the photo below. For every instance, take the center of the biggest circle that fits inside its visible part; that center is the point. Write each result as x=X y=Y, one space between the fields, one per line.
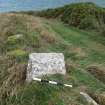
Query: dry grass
x=98 y=97
x=14 y=75
x=47 y=36
x=98 y=71
x=78 y=52
x=10 y=20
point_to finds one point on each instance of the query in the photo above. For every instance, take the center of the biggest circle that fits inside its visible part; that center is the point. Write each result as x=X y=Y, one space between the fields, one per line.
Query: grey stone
x=89 y=100
x=41 y=64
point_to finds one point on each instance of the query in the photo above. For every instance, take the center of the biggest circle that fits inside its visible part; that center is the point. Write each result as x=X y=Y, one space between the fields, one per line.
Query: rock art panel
x=41 y=64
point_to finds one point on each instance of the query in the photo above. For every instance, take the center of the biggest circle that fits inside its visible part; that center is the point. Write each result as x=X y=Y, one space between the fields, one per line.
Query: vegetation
x=86 y=16
x=22 y=34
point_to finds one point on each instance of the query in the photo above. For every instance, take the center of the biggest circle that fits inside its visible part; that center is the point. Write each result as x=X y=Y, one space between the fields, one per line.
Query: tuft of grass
x=97 y=71
x=48 y=37
x=20 y=55
x=14 y=42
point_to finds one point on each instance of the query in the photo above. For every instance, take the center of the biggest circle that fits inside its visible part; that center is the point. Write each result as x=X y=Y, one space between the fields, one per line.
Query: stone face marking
x=45 y=64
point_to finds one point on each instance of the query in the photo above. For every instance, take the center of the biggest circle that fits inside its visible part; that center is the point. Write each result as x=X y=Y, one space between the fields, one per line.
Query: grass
x=83 y=40
x=81 y=48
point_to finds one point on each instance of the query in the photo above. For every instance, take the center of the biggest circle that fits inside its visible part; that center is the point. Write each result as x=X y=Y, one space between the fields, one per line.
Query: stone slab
x=41 y=64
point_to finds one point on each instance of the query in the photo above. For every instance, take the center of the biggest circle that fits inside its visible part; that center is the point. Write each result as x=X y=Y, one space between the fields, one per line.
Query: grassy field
x=81 y=49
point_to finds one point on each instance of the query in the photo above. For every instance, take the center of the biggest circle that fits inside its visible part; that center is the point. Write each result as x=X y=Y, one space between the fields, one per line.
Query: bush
x=81 y=15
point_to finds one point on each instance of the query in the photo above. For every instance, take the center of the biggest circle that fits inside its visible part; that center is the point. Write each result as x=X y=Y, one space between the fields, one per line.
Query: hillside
x=86 y=16
x=21 y=34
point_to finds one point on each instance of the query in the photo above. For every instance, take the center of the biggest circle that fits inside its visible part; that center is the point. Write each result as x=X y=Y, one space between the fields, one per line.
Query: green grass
x=82 y=39
x=93 y=48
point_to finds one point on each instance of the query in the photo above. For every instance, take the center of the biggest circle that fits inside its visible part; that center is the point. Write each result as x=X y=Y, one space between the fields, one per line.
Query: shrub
x=81 y=15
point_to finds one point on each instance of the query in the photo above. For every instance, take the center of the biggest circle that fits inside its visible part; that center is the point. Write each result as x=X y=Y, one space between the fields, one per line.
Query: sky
x=24 y=5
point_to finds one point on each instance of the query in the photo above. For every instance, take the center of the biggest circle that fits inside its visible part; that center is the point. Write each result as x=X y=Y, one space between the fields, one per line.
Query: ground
x=81 y=49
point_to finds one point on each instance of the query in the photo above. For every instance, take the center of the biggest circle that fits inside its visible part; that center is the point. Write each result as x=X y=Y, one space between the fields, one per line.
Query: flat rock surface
x=45 y=64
